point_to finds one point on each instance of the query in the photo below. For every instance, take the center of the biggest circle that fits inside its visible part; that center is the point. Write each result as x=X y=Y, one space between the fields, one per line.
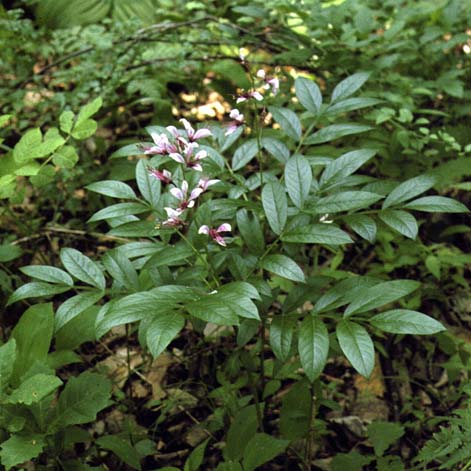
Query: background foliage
x=83 y=83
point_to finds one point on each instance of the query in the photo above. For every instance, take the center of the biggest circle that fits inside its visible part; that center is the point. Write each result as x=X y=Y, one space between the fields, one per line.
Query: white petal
x=234 y=114
x=177 y=157
x=202 y=154
x=202 y=133
x=177 y=193
x=173 y=213
x=172 y=130
x=155 y=137
x=261 y=73
x=241 y=99
x=188 y=128
x=203 y=230
x=195 y=193
x=258 y=96
x=226 y=227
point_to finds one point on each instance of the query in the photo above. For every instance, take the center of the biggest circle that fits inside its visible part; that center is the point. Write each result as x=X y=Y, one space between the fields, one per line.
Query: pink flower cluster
x=182 y=147
x=183 y=150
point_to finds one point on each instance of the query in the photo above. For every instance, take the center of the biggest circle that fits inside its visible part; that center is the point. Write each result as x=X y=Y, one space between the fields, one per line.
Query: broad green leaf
x=298 y=178
x=196 y=457
x=74 y=306
x=36 y=289
x=335 y=131
x=130 y=149
x=275 y=205
x=350 y=104
x=251 y=231
x=48 y=273
x=138 y=305
x=122 y=449
x=408 y=190
x=383 y=293
x=437 y=204
x=349 y=86
x=317 y=234
x=241 y=289
x=9 y=252
x=241 y=431
x=401 y=221
x=345 y=165
x=112 y=188
x=33 y=335
x=233 y=71
x=276 y=148
x=404 y=321
x=313 y=346
x=308 y=94
x=27 y=147
x=118 y=210
x=295 y=414
x=288 y=121
x=226 y=466
x=383 y=434
x=66 y=121
x=262 y=449
x=357 y=346
x=79 y=330
x=148 y=185
x=7 y=360
x=83 y=268
x=215 y=310
x=89 y=110
x=135 y=229
x=283 y=266
x=342 y=293
x=281 y=336
x=80 y=401
x=352 y=461
x=244 y=154
x=364 y=226
x=34 y=389
x=162 y=330
x=65 y=157
x=84 y=129
x=346 y=201
x=21 y=448
x=121 y=269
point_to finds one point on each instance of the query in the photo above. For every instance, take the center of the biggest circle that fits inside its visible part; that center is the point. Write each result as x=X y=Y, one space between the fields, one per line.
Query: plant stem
x=310 y=433
x=200 y=257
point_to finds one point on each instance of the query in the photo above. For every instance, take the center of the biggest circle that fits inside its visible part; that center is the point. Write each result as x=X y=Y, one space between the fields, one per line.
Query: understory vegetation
x=235 y=235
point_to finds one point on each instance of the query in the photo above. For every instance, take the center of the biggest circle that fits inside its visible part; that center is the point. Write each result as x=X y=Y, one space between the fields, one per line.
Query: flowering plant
x=282 y=210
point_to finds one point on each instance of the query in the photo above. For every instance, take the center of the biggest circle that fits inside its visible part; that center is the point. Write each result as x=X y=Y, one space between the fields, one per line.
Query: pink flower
x=161 y=141
x=270 y=82
x=237 y=120
x=247 y=95
x=182 y=195
x=195 y=135
x=205 y=183
x=165 y=176
x=173 y=218
x=215 y=234
x=189 y=160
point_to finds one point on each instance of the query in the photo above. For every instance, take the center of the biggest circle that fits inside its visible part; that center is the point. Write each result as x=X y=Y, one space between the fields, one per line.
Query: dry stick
x=48 y=230
x=161 y=26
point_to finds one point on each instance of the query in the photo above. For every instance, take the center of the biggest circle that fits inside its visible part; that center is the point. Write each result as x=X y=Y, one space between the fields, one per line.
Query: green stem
x=306 y=133
x=200 y=257
x=310 y=433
